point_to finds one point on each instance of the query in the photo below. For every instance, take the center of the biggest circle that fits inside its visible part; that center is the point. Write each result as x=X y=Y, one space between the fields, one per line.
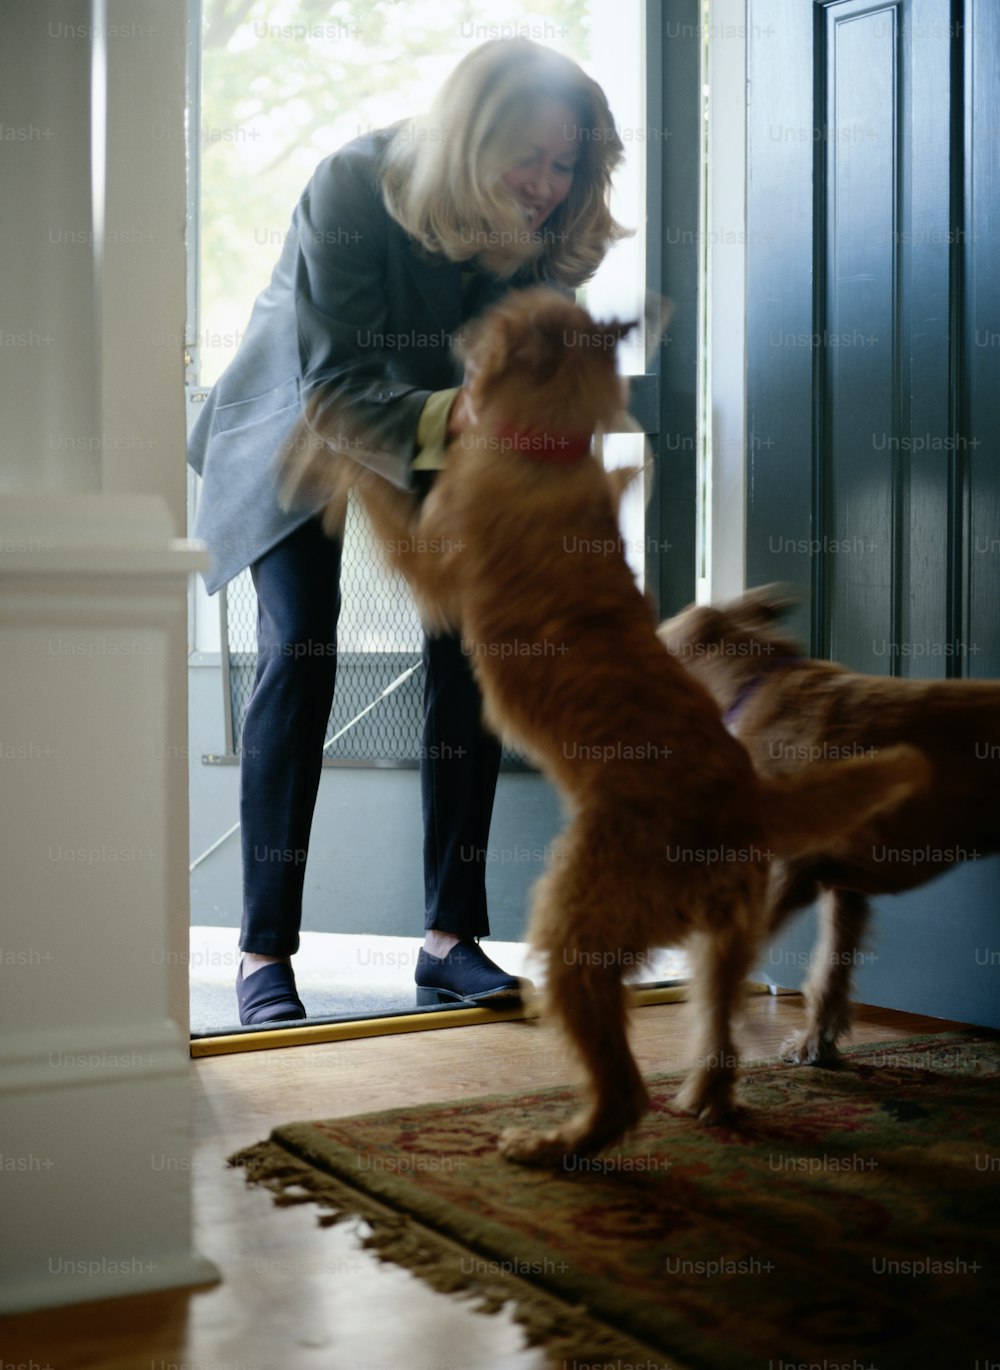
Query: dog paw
x=710 y=1100
x=810 y=1048
x=525 y=1146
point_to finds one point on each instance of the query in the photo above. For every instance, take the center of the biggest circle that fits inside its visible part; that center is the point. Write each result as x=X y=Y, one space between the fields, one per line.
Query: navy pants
x=298 y=595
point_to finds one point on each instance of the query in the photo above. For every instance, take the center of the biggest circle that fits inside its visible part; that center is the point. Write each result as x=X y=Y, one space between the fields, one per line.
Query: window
x=275 y=87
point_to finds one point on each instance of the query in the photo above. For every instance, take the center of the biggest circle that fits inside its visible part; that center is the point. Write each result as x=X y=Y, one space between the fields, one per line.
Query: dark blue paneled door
x=873 y=382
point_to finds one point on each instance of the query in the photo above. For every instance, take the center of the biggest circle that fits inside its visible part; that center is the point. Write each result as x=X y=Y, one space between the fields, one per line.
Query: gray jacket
x=356 y=308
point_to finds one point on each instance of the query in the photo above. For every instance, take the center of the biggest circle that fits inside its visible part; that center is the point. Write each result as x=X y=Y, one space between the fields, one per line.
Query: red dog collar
x=557 y=449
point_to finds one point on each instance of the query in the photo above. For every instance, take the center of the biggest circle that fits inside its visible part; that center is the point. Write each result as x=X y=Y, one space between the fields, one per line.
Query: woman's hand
x=461 y=416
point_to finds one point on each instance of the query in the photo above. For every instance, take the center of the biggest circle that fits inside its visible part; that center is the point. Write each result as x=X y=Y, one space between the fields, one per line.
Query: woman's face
x=542 y=173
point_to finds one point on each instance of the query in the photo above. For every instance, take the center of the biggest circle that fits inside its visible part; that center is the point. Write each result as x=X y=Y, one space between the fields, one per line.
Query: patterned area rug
x=846 y=1217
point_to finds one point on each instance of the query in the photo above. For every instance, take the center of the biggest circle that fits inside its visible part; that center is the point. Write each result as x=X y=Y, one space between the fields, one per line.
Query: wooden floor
x=296 y=1296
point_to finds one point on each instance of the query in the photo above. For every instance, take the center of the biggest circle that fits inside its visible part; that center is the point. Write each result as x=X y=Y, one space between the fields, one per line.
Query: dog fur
x=791 y=712
x=669 y=828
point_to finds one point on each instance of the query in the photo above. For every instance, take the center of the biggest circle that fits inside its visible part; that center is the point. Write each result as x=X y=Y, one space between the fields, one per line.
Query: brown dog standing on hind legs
x=669 y=829
x=791 y=712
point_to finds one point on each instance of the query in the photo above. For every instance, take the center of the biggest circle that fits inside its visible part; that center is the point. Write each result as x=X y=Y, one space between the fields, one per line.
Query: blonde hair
x=441 y=171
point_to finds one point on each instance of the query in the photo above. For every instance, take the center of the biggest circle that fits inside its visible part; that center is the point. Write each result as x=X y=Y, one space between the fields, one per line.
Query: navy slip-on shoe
x=268 y=995
x=465 y=976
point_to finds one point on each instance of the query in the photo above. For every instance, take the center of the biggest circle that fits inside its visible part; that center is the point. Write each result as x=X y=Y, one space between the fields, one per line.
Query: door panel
x=860 y=479
x=927 y=398
x=873 y=390
x=861 y=147
x=980 y=562
x=780 y=307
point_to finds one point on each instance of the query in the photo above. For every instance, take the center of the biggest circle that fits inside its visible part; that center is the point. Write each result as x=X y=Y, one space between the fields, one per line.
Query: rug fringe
x=568 y=1333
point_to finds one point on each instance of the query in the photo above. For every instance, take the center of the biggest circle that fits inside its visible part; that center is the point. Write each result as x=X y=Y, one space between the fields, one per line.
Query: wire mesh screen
x=378 y=637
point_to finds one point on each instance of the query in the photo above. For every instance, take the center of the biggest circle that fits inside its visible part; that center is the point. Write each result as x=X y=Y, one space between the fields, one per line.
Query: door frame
x=724 y=346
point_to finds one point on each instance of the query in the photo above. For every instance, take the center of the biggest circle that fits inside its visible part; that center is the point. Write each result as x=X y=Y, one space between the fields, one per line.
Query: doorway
x=264 y=111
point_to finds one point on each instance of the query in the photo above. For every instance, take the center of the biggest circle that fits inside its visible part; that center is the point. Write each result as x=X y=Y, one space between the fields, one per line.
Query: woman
x=400 y=238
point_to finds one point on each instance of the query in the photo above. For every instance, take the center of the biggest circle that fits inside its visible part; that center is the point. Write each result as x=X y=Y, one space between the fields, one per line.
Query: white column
x=94 y=1061
x=49 y=359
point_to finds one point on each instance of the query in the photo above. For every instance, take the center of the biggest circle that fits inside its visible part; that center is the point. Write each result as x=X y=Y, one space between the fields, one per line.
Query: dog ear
x=692 y=631
x=544 y=346
x=607 y=336
x=764 y=604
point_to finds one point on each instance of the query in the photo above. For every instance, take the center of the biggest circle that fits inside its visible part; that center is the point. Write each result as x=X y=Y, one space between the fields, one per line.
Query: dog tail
x=312 y=474
x=808 y=811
